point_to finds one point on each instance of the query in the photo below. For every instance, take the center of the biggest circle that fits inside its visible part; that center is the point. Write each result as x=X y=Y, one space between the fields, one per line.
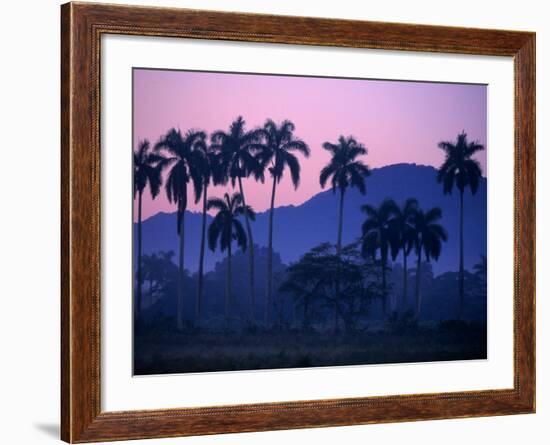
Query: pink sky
x=397 y=121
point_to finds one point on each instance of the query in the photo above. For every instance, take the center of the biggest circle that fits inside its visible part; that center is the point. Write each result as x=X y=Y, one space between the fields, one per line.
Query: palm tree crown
x=429 y=233
x=147 y=169
x=344 y=168
x=237 y=149
x=186 y=155
x=279 y=148
x=211 y=167
x=459 y=168
x=377 y=228
x=226 y=226
x=402 y=230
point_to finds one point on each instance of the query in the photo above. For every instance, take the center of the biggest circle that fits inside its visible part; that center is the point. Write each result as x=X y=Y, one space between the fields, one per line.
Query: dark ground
x=172 y=352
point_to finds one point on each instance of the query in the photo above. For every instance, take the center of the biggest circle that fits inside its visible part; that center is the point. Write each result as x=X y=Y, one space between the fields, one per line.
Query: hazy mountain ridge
x=299 y=228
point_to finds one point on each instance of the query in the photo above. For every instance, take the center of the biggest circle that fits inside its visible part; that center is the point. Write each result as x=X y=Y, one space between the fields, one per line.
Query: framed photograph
x=278 y=222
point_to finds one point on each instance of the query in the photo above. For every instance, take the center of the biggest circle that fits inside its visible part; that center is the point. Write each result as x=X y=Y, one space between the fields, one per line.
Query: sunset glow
x=397 y=121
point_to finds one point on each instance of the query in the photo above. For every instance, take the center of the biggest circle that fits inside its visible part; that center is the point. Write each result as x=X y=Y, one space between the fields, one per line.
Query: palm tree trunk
x=198 y=305
x=250 y=257
x=417 y=293
x=269 y=285
x=228 y=289
x=340 y=222
x=461 y=263
x=338 y=252
x=405 y=277
x=181 y=271
x=139 y=271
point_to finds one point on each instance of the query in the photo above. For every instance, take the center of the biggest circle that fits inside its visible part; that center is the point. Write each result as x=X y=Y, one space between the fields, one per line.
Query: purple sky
x=396 y=121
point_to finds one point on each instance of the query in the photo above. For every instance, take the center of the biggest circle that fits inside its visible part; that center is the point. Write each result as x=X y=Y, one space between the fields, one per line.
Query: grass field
x=201 y=352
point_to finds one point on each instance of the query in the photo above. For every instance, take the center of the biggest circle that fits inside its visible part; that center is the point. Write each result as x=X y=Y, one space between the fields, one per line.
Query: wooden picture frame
x=82 y=26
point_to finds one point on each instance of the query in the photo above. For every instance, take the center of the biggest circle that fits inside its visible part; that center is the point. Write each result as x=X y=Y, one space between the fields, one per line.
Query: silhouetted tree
x=376 y=236
x=402 y=237
x=185 y=155
x=238 y=151
x=305 y=281
x=225 y=228
x=312 y=281
x=429 y=236
x=211 y=173
x=147 y=172
x=359 y=283
x=278 y=156
x=344 y=170
x=461 y=170
x=157 y=268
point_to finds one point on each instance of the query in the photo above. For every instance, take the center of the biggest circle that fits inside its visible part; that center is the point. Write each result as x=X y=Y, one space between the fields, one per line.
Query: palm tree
x=346 y=171
x=459 y=168
x=186 y=156
x=402 y=237
x=429 y=235
x=210 y=174
x=225 y=228
x=377 y=235
x=278 y=154
x=156 y=270
x=238 y=151
x=147 y=172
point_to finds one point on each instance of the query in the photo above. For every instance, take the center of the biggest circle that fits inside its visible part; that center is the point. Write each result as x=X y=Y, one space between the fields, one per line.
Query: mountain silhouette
x=299 y=228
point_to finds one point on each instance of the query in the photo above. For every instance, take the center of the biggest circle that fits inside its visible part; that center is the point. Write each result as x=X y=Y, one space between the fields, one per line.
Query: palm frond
x=439 y=230
x=472 y=148
x=240 y=235
x=473 y=171
x=216 y=204
x=434 y=214
x=294 y=168
x=298 y=145
x=446 y=146
x=327 y=171
x=371 y=211
x=357 y=173
x=155 y=180
x=330 y=147
x=214 y=230
x=357 y=150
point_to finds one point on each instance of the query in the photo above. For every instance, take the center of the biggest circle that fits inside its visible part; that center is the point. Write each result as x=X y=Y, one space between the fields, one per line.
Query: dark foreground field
x=203 y=352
